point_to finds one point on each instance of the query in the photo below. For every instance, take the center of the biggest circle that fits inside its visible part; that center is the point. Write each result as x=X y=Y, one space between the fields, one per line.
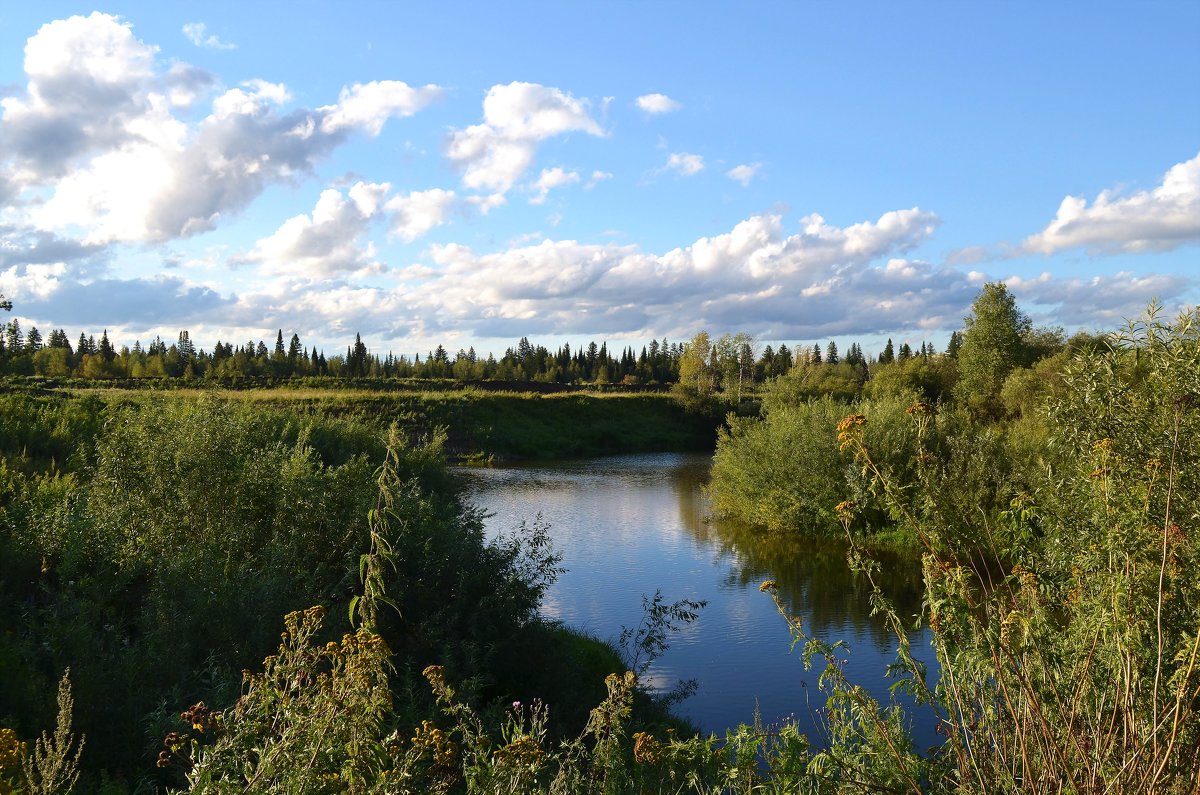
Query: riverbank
x=480 y=426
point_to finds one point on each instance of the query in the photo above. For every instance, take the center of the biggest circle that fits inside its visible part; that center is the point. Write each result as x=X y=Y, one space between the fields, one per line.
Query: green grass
x=482 y=425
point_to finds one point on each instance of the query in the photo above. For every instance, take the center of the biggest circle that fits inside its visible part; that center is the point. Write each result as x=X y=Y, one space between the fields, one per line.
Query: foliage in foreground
x=1070 y=655
x=1070 y=660
x=1066 y=626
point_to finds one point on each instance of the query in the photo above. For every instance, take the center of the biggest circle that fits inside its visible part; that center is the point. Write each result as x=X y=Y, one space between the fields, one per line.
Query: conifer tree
x=889 y=353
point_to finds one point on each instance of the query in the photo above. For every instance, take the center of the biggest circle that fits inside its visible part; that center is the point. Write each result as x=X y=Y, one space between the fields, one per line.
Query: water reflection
x=629 y=525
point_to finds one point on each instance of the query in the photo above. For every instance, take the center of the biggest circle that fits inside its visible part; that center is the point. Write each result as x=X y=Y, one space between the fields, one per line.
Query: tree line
x=728 y=363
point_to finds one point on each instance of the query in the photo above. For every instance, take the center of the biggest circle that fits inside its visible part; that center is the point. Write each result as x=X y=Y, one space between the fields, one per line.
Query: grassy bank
x=484 y=424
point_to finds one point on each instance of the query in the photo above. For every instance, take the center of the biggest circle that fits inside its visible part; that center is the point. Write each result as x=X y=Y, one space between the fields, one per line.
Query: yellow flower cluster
x=11 y=750
x=523 y=751
x=429 y=737
x=848 y=430
x=646 y=749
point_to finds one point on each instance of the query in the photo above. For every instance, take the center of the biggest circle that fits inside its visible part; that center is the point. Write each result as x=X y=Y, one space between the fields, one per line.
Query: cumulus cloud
x=684 y=164
x=367 y=106
x=332 y=241
x=657 y=103
x=550 y=179
x=419 y=212
x=1161 y=219
x=326 y=242
x=755 y=271
x=744 y=173
x=1097 y=301
x=516 y=118
x=86 y=85
x=95 y=133
x=196 y=34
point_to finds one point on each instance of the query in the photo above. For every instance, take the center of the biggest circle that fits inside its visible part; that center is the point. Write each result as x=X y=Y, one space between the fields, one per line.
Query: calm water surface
x=628 y=525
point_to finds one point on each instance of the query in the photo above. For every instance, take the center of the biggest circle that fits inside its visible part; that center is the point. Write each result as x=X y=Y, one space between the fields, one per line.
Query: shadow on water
x=629 y=525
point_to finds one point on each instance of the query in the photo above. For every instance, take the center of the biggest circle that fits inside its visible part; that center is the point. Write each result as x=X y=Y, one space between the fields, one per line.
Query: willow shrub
x=159 y=571
x=1072 y=662
x=785 y=472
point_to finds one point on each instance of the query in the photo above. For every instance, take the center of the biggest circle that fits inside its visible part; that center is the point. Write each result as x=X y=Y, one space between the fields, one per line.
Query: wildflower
x=768 y=585
x=847 y=429
x=523 y=751
x=11 y=750
x=845 y=510
x=646 y=749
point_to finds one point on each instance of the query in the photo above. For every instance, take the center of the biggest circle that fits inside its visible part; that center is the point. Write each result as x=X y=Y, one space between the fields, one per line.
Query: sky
x=466 y=174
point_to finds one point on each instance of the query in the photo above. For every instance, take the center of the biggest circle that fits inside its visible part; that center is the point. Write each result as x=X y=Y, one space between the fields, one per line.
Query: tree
x=992 y=346
x=13 y=338
x=5 y=304
x=695 y=386
x=889 y=353
x=295 y=350
x=187 y=350
x=954 y=345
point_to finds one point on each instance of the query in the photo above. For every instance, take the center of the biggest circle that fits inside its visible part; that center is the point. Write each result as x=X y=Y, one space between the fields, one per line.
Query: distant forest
x=736 y=357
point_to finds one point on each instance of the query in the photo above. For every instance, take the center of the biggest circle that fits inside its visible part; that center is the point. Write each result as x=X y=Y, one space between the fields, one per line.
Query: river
x=627 y=526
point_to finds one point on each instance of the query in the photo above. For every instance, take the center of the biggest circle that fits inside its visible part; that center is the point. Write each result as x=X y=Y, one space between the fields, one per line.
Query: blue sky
x=467 y=174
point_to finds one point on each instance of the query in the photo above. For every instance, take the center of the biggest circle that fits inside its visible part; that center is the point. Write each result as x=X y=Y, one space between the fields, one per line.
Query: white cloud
x=657 y=103
x=92 y=146
x=419 y=212
x=325 y=243
x=275 y=93
x=517 y=117
x=596 y=178
x=31 y=282
x=744 y=173
x=485 y=204
x=684 y=163
x=87 y=79
x=1098 y=301
x=195 y=33
x=549 y=179
x=818 y=280
x=1161 y=219
x=367 y=106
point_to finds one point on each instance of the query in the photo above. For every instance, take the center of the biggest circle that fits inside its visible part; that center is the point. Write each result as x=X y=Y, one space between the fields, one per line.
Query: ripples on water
x=628 y=525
